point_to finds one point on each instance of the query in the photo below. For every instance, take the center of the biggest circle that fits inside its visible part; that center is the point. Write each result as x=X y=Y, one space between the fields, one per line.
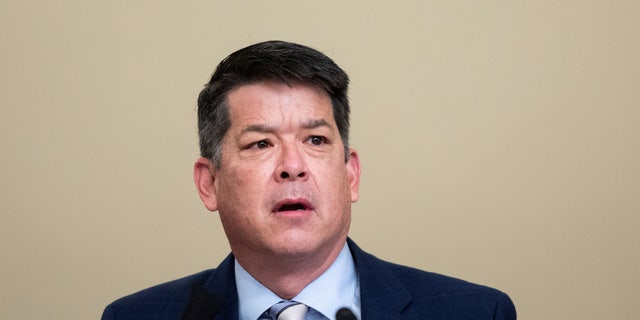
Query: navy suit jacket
x=387 y=291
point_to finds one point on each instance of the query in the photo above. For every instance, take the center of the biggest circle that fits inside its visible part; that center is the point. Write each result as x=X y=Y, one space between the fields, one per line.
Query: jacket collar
x=216 y=298
x=382 y=296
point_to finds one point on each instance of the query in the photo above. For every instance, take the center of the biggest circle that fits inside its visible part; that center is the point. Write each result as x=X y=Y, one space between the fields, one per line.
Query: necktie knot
x=288 y=310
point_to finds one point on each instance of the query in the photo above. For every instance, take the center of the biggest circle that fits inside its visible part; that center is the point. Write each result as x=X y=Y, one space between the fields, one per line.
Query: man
x=276 y=164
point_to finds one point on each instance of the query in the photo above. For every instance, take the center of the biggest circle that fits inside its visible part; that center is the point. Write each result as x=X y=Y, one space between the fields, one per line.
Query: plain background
x=500 y=142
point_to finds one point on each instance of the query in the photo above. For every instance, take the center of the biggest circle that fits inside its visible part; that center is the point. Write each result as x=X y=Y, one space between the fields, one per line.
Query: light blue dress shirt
x=336 y=288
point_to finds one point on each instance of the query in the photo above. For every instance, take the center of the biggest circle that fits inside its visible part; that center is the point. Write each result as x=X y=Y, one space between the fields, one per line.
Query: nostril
x=301 y=175
x=284 y=175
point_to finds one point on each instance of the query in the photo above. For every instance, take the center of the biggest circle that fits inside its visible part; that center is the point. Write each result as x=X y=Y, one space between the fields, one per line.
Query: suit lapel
x=382 y=296
x=217 y=297
x=202 y=304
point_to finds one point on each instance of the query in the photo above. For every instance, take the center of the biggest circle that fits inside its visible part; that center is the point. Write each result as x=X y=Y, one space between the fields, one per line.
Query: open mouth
x=292 y=205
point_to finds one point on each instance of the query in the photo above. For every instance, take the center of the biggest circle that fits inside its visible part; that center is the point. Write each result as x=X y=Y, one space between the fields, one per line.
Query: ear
x=204 y=177
x=353 y=173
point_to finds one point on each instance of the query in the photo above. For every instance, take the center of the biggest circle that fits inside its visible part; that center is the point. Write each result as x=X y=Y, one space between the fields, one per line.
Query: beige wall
x=500 y=143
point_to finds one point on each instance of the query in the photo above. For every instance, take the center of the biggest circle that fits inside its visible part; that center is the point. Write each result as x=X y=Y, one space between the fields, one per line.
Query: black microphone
x=345 y=314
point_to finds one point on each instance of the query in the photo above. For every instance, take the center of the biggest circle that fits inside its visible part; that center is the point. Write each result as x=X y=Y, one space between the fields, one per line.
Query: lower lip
x=293 y=213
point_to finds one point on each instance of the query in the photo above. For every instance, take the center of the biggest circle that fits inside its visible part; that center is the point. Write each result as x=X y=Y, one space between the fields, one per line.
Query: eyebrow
x=312 y=124
x=261 y=128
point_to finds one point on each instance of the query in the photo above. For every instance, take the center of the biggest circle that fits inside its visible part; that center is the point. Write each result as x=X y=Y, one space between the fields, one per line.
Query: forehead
x=269 y=100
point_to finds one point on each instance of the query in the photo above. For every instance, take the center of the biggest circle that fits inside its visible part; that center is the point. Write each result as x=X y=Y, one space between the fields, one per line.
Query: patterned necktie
x=288 y=310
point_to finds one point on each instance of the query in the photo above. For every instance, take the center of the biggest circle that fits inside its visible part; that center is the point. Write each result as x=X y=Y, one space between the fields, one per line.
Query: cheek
x=335 y=184
x=241 y=186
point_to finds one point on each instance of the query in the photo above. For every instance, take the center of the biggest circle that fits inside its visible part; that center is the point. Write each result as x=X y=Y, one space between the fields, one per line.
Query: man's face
x=283 y=186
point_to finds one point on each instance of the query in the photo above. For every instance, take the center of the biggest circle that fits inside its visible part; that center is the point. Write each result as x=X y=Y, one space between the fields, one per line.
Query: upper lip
x=293 y=204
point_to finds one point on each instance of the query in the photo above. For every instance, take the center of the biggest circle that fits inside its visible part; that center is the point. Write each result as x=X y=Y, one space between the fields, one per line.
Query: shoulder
x=167 y=299
x=431 y=285
x=454 y=297
x=424 y=294
x=412 y=279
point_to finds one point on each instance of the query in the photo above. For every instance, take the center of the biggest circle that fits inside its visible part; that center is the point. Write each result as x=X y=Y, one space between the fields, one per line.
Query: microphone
x=345 y=314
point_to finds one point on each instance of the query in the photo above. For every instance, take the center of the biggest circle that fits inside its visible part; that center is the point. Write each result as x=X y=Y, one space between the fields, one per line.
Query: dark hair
x=284 y=62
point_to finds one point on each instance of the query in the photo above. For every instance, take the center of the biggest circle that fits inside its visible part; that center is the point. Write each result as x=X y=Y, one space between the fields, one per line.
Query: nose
x=291 y=166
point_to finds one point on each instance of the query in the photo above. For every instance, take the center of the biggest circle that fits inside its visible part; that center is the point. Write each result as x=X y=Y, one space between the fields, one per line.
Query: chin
x=295 y=245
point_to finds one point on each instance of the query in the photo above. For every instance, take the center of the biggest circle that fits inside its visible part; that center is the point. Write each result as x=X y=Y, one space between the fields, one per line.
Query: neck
x=288 y=275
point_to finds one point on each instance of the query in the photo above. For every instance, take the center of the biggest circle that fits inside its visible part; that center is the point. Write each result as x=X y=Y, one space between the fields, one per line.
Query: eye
x=262 y=144
x=317 y=140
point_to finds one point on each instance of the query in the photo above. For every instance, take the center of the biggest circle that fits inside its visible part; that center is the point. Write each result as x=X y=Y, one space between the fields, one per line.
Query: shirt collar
x=337 y=287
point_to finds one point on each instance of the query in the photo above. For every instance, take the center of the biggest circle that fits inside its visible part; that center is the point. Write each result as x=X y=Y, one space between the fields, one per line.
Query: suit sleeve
x=505 y=310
